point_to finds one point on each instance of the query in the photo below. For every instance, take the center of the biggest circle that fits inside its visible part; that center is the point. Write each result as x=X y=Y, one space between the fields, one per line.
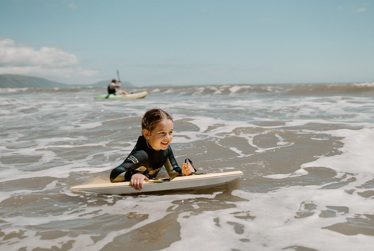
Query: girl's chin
x=160 y=147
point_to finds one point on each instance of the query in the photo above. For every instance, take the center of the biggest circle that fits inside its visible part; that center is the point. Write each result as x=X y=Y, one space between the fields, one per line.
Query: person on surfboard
x=151 y=152
x=114 y=88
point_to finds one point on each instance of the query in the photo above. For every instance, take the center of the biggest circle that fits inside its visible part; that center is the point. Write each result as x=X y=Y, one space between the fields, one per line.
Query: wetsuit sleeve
x=134 y=163
x=171 y=165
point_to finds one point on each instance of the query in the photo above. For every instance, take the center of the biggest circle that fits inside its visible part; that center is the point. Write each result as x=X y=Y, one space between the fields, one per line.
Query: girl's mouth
x=164 y=144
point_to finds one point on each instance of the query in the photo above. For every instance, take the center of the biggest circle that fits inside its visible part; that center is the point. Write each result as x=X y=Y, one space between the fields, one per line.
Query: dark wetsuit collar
x=143 y=142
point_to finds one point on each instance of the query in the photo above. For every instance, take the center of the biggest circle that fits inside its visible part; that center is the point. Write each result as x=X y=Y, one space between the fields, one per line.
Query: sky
x=189 y=42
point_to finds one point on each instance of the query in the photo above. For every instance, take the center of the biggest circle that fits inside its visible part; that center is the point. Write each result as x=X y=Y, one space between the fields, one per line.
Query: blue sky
x=189 y=42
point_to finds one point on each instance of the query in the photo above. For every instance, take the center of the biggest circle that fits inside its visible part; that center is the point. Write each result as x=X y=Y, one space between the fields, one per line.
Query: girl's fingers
x=187 y=169
x=190 y=168
x=137 y=182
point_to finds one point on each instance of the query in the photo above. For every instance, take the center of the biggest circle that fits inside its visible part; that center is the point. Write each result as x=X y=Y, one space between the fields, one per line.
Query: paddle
x=119 y=80
x=118 y=76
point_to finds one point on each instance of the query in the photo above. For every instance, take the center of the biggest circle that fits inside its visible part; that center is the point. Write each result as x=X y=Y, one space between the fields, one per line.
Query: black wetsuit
x=147 y=161
x=111 y=89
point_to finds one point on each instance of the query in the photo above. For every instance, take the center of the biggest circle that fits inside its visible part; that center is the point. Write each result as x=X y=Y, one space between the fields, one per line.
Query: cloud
x=22 y=55
x=72 y=6
x=47 y=62
x=360 y=10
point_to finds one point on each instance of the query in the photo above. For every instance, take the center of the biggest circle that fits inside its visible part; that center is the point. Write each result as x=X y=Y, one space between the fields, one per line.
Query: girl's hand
x=187 y=169
x=137 y=181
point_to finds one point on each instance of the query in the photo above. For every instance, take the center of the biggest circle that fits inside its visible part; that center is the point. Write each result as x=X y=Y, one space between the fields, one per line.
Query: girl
x=151 y=152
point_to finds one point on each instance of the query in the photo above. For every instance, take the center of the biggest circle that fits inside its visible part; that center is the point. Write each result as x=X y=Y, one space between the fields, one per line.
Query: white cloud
x=72 y=6
x=22 y=55
x=49 y=62
x=360 y=10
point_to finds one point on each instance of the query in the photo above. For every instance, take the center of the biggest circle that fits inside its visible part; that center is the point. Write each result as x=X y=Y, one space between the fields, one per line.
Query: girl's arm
x=171 y=165
x=173 y=171
x=133 y=164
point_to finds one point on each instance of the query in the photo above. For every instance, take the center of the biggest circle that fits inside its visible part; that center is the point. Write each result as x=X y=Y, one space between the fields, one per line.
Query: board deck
x=178 y=183
x=127 y=96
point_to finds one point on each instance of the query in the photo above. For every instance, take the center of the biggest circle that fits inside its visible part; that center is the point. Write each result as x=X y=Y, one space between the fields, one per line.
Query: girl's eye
x=165 y=133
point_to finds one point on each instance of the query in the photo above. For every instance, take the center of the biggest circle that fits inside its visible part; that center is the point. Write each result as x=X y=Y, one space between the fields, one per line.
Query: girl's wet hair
x=152 y=117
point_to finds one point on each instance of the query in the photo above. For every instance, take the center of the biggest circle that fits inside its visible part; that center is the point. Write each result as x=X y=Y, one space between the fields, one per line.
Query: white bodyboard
x=178 y=183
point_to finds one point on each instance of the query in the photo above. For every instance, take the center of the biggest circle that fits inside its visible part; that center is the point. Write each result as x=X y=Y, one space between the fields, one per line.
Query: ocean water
x=306 y=150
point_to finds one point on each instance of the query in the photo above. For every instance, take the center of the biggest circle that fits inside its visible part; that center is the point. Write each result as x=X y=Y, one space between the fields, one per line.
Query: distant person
x=114 y=88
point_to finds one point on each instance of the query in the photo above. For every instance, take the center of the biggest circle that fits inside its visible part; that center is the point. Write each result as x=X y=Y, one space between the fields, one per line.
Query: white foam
x=82 y=126
x=272 y=222
x=357 y=152
x=297 y=173
x=366 y=84
x=155 y=207
x=235 y=89
x=356 y=157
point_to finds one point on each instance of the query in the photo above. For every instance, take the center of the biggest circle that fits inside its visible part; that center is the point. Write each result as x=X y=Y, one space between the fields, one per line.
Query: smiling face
x=161 y=136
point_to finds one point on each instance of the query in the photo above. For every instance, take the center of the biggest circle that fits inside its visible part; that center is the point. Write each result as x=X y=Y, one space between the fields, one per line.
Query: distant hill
x=21 y=81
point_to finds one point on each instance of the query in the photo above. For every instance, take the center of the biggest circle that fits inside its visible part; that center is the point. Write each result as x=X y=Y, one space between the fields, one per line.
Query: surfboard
x=127 y=96
x=195 y=181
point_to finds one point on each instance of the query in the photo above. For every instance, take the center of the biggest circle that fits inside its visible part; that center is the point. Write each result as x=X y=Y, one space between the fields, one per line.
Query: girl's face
x=160 y=137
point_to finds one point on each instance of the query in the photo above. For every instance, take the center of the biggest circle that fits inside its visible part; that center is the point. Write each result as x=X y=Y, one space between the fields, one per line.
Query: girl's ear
x=146 y=133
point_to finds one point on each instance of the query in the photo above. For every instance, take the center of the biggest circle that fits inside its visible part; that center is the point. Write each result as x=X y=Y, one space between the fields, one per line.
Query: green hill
x=20 y=81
